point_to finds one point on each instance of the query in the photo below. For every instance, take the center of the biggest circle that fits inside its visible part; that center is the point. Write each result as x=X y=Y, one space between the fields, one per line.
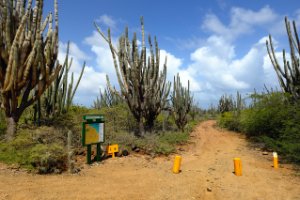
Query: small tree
x=289 y=76
x=142 y=84
x=181 y=101
x=28 y=56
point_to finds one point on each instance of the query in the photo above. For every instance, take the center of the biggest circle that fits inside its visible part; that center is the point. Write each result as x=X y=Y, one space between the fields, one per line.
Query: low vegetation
x=271 y=119
x=43 y=149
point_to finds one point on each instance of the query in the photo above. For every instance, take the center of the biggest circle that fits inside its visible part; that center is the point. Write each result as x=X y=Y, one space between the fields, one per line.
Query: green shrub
x=229 y=120
x=42 y=149
x=18 y=150
x=118 y=118
x=164 y=148
x=266 y=117
x=164 y=122
x=270 y=119
x=174 y=137
x=48 y=158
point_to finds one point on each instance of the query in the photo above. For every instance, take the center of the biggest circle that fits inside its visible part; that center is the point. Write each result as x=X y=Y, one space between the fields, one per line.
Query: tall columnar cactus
x=142 y=84
x=28 y=56
x=239 y=103
x=59 y=96
x=226 y=103
x=181 y=101
x=289 y=76
x=108 y=99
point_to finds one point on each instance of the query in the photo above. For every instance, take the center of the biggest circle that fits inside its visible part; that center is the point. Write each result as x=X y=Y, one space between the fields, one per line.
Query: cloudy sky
x=218 y=45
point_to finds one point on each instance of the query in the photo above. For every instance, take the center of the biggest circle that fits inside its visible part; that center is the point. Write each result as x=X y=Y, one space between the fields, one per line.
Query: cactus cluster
x=181 y=101
x=108 y=99
x=59 y=96
x=142 y=84
x=227 y=103
x=28 y=55
x=289 y=75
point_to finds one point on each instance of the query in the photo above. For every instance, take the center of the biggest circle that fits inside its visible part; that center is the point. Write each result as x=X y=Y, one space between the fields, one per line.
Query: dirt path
x=207 y=163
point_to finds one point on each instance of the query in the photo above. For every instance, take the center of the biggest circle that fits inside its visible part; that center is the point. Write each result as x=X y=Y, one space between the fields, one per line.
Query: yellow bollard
x=177 y=163
x=275 y=160
x=237 y=166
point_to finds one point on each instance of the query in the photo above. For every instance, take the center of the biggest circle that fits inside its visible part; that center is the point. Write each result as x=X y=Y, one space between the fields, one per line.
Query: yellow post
x=275 y=160
x=237 y=166
x=177 y=163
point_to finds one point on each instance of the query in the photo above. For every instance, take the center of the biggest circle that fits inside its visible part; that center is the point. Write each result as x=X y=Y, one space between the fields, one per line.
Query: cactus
x=142 y=84
x=107 y=99
x=289 y=76
x=228 y=103
x=238 y=103
x=181 y=101
x=28 y=56
x=59 y=96
x=225 y=103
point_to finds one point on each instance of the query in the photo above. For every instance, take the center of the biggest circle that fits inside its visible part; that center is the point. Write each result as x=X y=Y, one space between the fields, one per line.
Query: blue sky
x=218 y=45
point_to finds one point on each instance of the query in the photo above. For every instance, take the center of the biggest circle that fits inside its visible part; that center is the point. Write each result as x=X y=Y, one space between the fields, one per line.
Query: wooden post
x=98 y=156
x=89 y=154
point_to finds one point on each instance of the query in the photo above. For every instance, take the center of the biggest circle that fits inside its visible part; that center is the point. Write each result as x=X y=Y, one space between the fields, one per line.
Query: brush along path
x=206 y=174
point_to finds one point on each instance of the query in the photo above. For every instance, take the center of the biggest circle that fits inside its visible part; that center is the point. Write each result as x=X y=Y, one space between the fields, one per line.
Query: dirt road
x=207 y=168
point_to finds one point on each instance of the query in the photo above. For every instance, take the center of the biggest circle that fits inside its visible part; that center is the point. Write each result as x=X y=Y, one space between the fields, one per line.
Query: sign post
x=93 y=133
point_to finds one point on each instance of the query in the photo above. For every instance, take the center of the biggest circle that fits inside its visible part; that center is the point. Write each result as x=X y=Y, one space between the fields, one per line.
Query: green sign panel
x=92 y=129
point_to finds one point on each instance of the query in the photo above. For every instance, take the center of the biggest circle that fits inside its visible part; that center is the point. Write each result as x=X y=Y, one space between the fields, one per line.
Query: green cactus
x=181 y=101
x=59 y=96
x=28 y=56
x=289 y=76
x=142 y=84
x=239 y=103
x=108 y=99
x=226 y=103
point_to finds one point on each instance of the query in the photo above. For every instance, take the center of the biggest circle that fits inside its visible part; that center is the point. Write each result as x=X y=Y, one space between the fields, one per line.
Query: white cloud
x=219 y=72
x=102 y=52
x=174 y=67
x=92 y=80
x=105 y=62
x=214 y=66
x=107 y=21
x=242 y=21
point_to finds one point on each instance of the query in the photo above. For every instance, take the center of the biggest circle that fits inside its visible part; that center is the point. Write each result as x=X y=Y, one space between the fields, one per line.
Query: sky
x=218 y=45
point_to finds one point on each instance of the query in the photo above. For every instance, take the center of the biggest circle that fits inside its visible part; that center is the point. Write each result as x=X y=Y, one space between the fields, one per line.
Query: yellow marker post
x=237 y=166
x=177 y=163
x=112 y=149
x=275 y=160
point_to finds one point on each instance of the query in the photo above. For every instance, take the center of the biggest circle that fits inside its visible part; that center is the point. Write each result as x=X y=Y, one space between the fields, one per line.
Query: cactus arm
x=79 y=79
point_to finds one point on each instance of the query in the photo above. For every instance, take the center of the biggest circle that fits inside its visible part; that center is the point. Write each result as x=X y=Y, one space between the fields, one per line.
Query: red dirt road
x=207 y=168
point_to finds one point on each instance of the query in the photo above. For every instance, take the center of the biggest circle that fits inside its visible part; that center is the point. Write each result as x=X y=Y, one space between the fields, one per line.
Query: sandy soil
x=207 y=168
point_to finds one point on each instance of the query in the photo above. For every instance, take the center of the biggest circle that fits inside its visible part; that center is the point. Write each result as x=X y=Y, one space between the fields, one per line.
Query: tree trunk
x=141 y=128
x=11 y=128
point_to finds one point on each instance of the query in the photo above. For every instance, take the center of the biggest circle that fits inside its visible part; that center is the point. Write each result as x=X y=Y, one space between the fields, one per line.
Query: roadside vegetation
x=272 y=117
x=44 y=148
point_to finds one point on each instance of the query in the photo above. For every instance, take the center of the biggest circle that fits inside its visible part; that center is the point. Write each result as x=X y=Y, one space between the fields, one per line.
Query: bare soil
x=207 y=173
